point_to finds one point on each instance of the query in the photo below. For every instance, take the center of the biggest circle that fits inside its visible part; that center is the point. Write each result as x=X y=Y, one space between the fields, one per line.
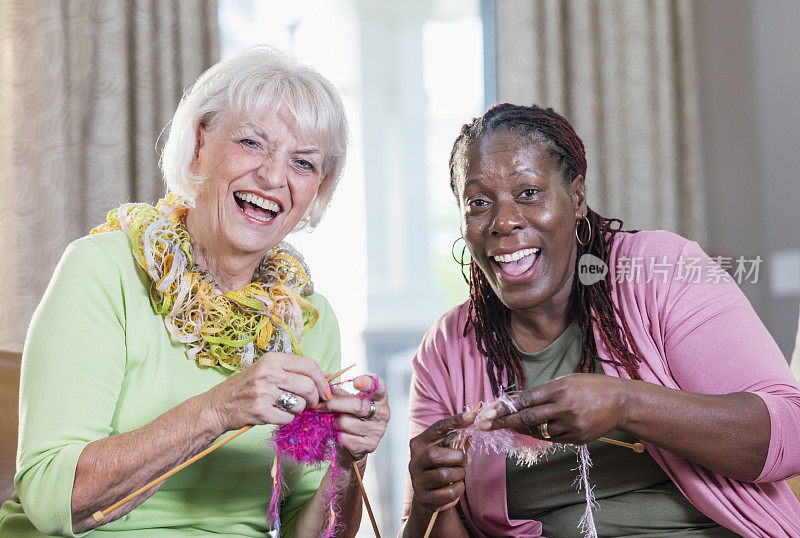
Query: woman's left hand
x=577 y=408
x=361 y=430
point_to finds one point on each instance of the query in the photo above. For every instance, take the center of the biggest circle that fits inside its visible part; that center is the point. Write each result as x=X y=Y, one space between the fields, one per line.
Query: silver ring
x=286 y=401
x=372 y=409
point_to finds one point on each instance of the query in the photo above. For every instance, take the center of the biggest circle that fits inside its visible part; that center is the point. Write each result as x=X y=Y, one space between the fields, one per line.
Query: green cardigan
x=98 y=361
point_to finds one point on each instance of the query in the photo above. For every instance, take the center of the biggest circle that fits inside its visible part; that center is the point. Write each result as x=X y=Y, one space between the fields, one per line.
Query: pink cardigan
x=696 y=336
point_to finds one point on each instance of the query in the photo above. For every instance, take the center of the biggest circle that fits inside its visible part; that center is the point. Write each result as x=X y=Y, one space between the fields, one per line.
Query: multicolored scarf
x=230 y=329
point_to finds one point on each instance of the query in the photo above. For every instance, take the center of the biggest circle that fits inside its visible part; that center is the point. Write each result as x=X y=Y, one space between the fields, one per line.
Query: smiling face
x=518 y=219
x=261 y=180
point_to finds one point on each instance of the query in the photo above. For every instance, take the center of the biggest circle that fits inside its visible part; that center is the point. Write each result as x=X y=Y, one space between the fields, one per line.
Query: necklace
x=230 y=329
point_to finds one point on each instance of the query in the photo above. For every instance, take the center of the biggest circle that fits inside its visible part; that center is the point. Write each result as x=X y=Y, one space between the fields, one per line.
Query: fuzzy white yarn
x=586 y=524
x=528 y=451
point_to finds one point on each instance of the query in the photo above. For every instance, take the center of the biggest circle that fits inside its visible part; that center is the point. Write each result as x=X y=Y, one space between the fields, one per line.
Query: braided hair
x=591 y=304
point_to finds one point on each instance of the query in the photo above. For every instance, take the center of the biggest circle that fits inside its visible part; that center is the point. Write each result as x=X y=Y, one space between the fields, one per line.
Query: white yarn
x=586 y=524
x=528 y=451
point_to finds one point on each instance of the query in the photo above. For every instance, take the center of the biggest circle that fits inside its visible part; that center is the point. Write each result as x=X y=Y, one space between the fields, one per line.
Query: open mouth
x=518 y=262
x=256 y=207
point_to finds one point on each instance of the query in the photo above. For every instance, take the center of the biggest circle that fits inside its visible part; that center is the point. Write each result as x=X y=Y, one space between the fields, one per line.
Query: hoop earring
x=577 y=235
x=460 y=261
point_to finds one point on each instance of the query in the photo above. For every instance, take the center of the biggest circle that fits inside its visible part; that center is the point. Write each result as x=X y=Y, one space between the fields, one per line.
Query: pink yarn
x=310 y=439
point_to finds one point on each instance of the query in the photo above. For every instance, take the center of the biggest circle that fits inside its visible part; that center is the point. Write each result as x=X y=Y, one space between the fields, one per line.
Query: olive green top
x=634 y=495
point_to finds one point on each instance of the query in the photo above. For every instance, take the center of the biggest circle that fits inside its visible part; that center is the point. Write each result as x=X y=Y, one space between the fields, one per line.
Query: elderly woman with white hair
x=109 y=400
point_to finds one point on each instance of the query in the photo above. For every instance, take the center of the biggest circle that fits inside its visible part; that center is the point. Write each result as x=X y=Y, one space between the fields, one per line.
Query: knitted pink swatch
x=310 y=439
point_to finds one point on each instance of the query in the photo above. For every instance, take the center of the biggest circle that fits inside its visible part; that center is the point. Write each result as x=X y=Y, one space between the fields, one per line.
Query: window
x=410 y=74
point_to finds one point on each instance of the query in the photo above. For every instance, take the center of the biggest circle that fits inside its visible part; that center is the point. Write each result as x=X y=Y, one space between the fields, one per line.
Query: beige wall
x=749 y=78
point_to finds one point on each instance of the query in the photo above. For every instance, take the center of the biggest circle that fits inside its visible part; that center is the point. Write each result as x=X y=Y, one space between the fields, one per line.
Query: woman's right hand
x=249 y=397
x=438 y=472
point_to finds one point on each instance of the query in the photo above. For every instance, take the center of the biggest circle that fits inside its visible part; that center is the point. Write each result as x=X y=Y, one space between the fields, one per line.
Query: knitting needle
x=461 y=446
x=636 y=447
x=364 y=494
x=340 y=372
x=366 y=500
x=101 y=514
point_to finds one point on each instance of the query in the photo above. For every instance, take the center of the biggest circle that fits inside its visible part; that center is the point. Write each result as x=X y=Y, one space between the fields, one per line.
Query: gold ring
x=543 y=430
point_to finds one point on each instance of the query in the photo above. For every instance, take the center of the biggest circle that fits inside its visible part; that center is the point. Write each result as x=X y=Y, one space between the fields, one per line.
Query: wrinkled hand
x=438 y=472
x=249 y=396
x=359 y=435
x=578 y=409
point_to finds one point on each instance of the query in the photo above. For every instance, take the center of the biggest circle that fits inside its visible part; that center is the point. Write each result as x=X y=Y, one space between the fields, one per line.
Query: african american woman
x=674 y=359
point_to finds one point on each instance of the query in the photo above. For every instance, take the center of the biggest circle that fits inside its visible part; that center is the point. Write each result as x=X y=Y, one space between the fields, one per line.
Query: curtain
x=624 y=73
x=86 y=87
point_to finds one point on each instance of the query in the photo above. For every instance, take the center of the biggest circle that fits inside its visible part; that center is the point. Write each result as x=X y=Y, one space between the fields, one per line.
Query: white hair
x=258 y=80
